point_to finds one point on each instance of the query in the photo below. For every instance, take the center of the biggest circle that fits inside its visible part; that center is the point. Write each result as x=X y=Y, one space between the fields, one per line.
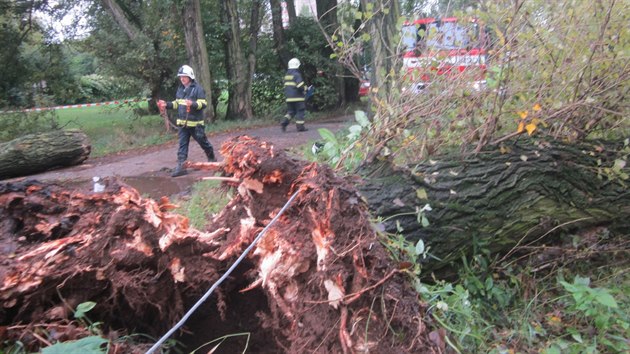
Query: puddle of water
x=156 y=187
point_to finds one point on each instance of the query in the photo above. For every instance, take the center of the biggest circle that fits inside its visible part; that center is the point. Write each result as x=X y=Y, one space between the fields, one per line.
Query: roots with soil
x=319 y=278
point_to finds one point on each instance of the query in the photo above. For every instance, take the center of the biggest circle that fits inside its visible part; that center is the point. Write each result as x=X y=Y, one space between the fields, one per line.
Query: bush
x=267 y=94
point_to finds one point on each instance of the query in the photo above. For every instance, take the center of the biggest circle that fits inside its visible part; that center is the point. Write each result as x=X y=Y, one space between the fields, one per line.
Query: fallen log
x=309 y=285
x=35 y=153
x=500 y=199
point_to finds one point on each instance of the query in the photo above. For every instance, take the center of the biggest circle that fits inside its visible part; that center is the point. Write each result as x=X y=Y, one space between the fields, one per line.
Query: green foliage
x=87 y=345
x=267 y=94
x=145 y=65
x=96 y=88
x=207 y=199
x=14 y=125
x=342 y=150
x=555 y=69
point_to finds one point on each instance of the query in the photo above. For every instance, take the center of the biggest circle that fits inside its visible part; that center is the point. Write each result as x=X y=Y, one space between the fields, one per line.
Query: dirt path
x=149 y=171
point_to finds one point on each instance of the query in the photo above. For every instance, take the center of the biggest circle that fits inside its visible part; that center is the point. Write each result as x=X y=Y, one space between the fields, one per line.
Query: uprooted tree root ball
x=318 y=281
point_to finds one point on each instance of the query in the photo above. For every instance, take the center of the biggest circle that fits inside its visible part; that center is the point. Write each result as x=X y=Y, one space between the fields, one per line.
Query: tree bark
x=121 y=18
x=499 y=200
x=291 y=11
x=239 y=102
x=196 y=50
x=327 y=15
x=278 y=33
x=383 y=30
x=35 y=153
x=254 y=29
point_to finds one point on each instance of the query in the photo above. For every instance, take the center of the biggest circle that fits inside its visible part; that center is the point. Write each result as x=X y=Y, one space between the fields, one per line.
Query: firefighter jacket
x=294 y=86
x=189 y=117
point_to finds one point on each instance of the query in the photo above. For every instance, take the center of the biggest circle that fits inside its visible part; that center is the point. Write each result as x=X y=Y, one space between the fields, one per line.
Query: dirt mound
x=318 y=281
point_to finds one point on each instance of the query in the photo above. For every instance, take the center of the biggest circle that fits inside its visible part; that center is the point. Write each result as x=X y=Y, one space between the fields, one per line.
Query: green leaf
x=606 y=299
x=419 y=247
x=424 y=221
x=619 y=165
x=87 y=345
x=83 y=308
x=421 y=193
x=355 y=132
x=575 y=334
x=361 y=118
x=327 y=135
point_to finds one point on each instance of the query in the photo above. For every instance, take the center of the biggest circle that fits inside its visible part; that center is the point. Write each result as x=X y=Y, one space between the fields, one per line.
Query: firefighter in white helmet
x=294 y=90
x=190 y=100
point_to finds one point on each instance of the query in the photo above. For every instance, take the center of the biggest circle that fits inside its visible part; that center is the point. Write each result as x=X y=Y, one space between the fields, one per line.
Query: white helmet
x=294 y=63
x=186 y=70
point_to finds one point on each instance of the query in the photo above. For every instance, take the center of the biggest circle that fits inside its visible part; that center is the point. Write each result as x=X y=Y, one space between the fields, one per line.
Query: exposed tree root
x=327 y=281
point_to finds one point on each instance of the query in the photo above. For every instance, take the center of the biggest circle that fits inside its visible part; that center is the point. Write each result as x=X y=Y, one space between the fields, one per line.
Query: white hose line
x=218 y=282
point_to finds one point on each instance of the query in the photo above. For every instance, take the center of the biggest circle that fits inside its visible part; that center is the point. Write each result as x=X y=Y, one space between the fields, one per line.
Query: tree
x=196 y=49
x=291 y=11
x=327 y=16
x=278 y=33
x=238 y=69
x=138 y=41
x=35 y=153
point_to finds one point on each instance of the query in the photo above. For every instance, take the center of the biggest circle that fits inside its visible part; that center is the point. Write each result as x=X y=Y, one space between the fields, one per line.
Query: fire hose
x=223 y=277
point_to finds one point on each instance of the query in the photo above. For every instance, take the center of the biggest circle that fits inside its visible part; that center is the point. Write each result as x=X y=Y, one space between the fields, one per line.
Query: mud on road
x=148 y=170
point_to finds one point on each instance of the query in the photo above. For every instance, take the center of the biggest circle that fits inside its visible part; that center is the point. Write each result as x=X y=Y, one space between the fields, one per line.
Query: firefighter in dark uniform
x=294 y=90
x=190 y=100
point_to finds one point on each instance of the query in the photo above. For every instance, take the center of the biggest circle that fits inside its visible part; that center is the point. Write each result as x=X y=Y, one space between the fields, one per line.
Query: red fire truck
x=446 y=48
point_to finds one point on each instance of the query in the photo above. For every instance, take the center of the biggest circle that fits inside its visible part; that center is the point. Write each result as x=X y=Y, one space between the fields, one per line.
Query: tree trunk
x=291 y=11
x=383 y=30
x=196 y=50
x=278 y=33
x=35 y=153
x=327 y=14
x=254 y=29
x=499 y=200
x=239 y=102
x=120 y=17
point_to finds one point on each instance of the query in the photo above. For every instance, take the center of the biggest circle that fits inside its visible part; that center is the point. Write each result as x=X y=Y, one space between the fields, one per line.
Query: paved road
x=158 y=162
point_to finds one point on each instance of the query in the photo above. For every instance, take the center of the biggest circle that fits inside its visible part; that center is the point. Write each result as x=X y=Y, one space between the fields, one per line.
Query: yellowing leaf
x=523 y=114
x=537 y=107
x=521 y=127
x=530 y=128
x=535 y=121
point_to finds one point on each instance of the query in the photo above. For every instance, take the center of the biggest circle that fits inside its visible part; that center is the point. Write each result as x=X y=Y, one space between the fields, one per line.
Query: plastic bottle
x=98 y=186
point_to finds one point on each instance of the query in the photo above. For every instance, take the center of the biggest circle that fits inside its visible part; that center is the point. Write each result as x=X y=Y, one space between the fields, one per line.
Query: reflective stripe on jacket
x=197 y=95
x=293 y=86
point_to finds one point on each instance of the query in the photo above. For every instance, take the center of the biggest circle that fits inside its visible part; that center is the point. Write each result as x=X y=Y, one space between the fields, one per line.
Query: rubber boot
x=179 y=170
x=284 y=124
x=210 y=155
x=301 y=128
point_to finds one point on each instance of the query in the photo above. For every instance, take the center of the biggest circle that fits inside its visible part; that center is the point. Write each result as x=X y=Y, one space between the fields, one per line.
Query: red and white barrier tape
x=40 y=109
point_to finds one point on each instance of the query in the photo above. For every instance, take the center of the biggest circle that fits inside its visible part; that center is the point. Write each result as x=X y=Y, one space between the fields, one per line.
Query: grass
x=114 y=129
x=207 y=198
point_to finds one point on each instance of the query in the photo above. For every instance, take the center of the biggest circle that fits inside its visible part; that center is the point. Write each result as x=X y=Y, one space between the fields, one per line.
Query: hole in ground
x=206 y=325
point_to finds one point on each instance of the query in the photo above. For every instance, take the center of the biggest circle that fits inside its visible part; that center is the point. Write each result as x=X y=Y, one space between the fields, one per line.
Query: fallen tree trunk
x=502 y=198
x=308 y=286
x=35 y=153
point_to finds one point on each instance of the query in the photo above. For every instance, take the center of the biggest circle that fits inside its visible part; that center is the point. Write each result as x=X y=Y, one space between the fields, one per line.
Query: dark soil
x=319 y=281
